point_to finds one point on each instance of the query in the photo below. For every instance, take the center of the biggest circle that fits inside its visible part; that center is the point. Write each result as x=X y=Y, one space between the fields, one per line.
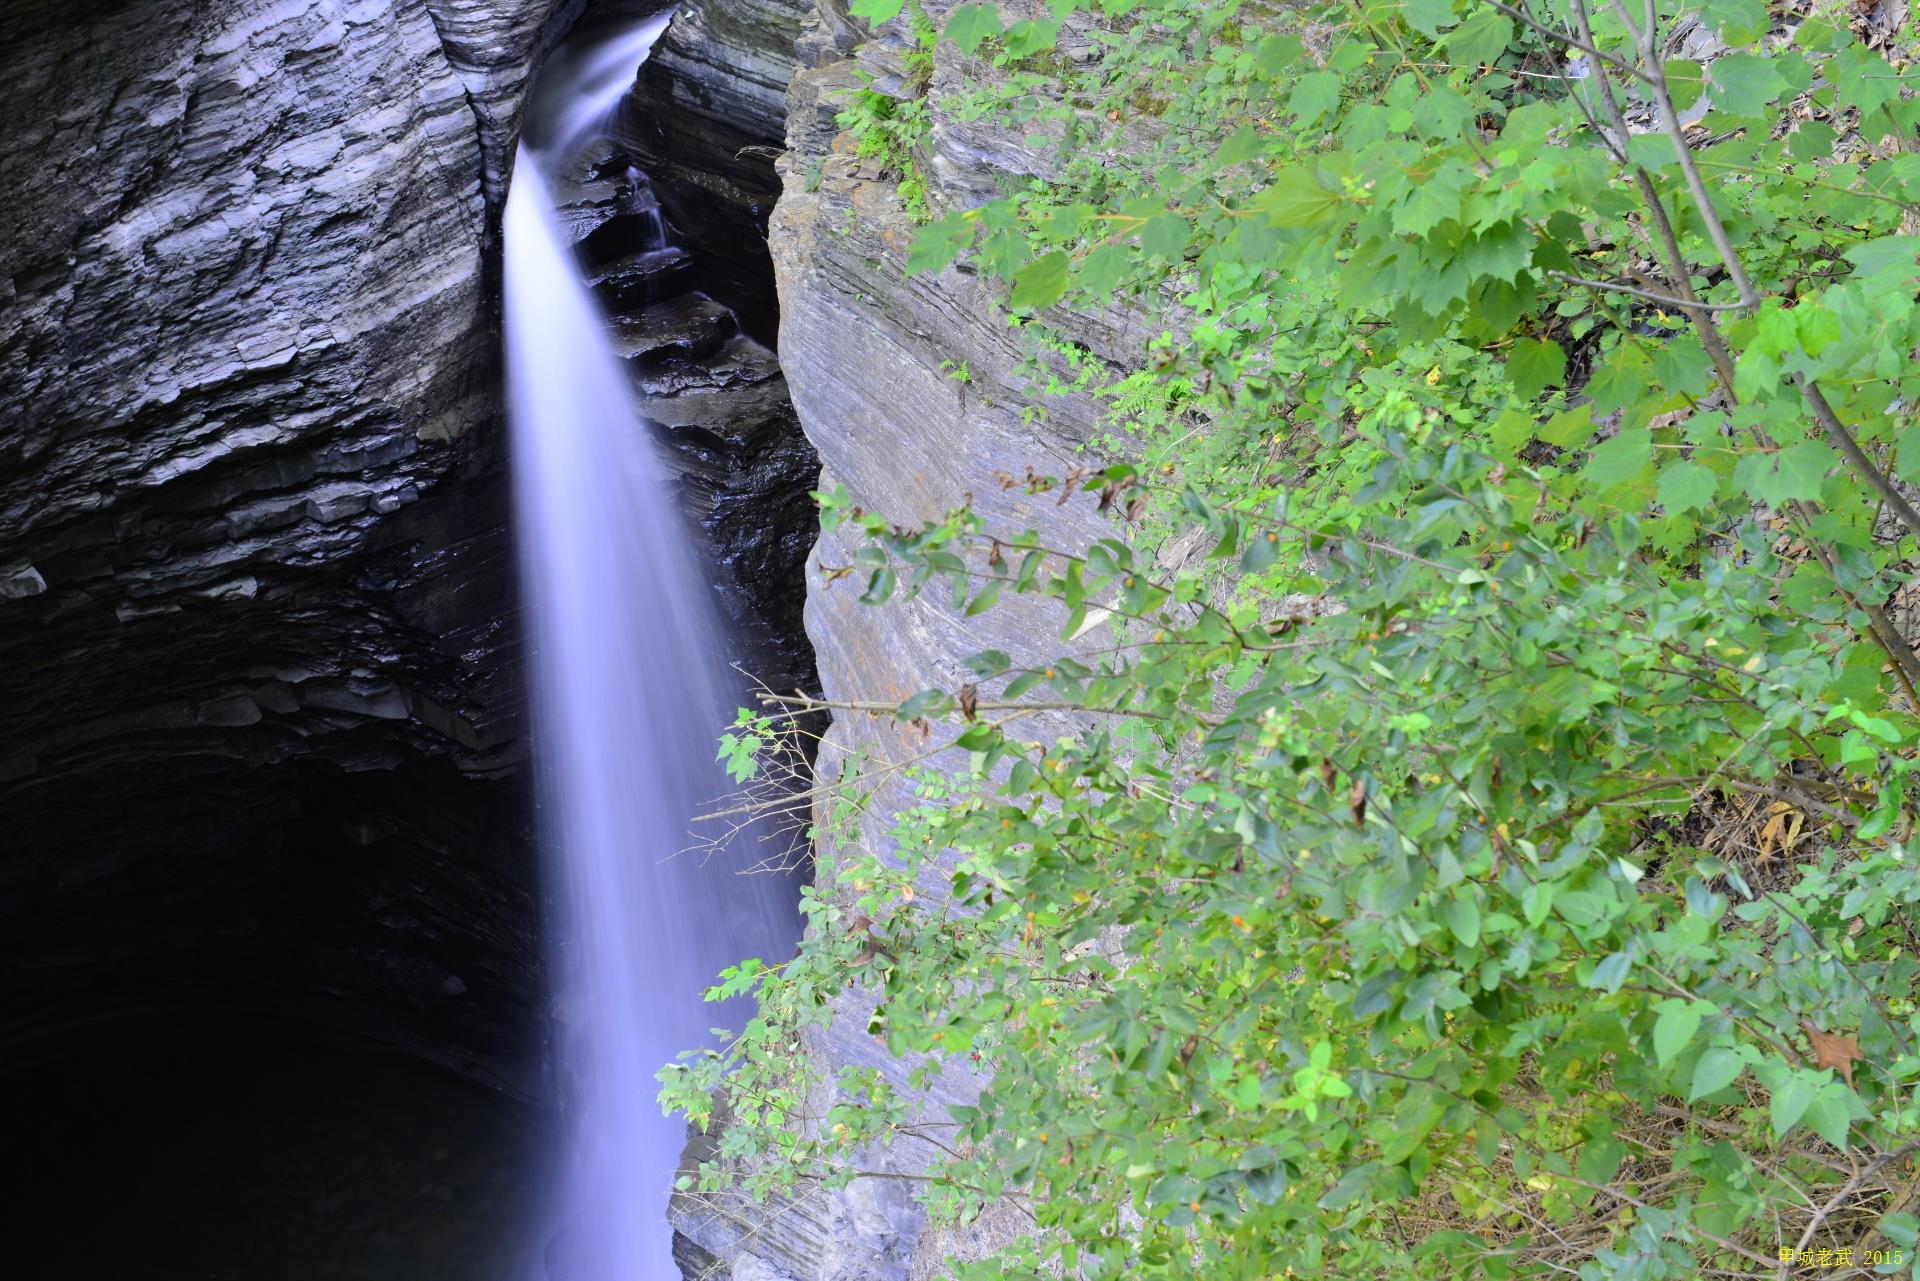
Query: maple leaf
x=1831 y=1050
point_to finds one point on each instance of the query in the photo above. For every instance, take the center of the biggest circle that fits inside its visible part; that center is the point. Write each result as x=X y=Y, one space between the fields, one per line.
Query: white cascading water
x=630 y=691
x=579 y=88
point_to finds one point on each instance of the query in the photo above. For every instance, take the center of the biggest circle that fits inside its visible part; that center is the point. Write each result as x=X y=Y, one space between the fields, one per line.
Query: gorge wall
x=256 y=596
x=262 y=746
x=869 y=353
x=707 y=121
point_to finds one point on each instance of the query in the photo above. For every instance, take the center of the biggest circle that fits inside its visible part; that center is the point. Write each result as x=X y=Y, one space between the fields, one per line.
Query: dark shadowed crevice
x=262 y=736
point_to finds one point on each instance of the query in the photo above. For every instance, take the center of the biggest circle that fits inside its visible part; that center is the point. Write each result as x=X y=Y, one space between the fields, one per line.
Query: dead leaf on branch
x=1765 y=829
x=1831 y=1050
x=1784 y=827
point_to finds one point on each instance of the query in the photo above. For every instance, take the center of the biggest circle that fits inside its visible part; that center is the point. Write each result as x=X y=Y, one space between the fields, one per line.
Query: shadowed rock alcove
x=262 y=730
x=183 y=1149
x=262 y=743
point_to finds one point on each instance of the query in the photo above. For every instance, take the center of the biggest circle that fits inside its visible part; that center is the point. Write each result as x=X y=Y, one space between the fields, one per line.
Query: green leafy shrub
x=1495 y=857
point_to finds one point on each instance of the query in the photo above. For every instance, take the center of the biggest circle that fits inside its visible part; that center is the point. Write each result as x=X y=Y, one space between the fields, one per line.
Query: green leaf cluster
x=1494 y=855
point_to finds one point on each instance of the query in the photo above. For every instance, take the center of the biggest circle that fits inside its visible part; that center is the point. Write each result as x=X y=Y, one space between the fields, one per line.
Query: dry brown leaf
x=1831 y=1050
x=1784 y=827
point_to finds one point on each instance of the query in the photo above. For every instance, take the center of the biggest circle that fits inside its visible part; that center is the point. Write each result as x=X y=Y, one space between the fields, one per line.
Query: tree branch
x=1655 y=77
x=1567 y=39
x=1678 y=304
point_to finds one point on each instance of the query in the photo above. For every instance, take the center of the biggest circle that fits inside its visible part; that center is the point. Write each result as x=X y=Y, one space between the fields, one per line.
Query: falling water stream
x=630 y=689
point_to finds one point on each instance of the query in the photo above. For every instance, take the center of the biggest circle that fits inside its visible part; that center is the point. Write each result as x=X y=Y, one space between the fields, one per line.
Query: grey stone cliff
x=707 y=124
x=250 y=505
x=869 y=353
x=263 y=740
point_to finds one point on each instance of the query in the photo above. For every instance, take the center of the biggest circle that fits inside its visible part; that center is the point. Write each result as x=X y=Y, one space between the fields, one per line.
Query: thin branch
x=1565 y=38
x=808 y=703
x=1669 y=241
x=1665 y=300
x=1844 y=441
x=1847 y=1189
x=1655 y=77
x=1906 y=665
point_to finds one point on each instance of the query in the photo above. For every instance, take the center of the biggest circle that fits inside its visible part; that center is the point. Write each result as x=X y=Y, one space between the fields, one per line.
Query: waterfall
x=630 y=691
x=579 y=88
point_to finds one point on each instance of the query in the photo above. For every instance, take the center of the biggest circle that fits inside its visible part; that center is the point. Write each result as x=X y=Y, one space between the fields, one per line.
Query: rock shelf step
x=637 y=280
x=689 y=327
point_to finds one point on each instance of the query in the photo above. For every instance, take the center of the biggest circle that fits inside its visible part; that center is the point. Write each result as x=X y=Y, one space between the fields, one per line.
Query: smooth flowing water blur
x=580 y=85
x=630 y=692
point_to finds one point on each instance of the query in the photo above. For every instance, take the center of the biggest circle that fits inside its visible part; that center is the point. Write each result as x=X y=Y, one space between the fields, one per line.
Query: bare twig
x=1678 y=304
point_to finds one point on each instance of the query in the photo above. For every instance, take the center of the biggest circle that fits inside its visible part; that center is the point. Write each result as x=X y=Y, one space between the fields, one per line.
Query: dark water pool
x=188 y=1157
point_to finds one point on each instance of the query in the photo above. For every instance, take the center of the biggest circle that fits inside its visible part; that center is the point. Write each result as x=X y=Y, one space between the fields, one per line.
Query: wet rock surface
x=252 y=501
x=707 y=122
x=715 y=397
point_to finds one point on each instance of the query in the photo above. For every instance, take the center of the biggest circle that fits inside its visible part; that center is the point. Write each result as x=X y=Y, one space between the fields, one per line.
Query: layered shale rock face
x=707 y=122
x=255 y=657
x=870 y=354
